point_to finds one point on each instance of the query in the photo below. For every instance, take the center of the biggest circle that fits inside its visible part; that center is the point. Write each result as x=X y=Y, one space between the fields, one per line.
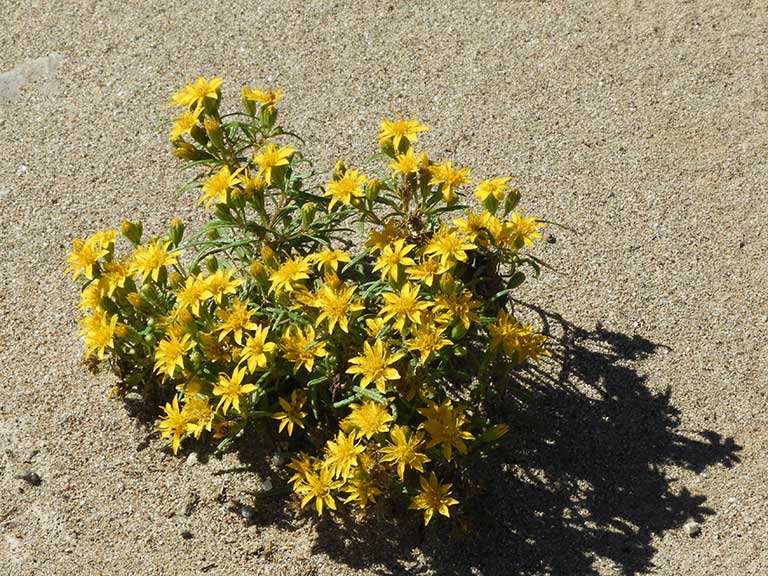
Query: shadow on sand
x=579 y=480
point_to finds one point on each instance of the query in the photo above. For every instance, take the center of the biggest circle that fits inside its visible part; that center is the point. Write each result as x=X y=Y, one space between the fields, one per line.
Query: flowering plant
x=369 y=357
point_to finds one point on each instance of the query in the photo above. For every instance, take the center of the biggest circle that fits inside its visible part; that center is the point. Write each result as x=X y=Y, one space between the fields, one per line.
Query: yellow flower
x=256 y=349
x=318 y=485
x=369 y=418
x=373 y=326
x=328 y=260
x=293 y=271
x=99 y=332
x=426 y=270
x=378 y=239
x=448 y=178
x=525 y=229
x=149 y=260
x=266 y=98
x=460 y=306
x=184 y=123
x=220 y=283
x=374 y=366
x=272 y=157
x=444 y=424
x=198 y=414
x=252 y=185
x=392 y=257
x=116 y=273
x=193 y=293
x=300 y=347
x=404 y=450
x=404 y=164
x=395 y=130
x=235 y=321
x=292 y=413
x=427 y=339
x=451 y=247
x=335 y=304
x=173 y=424
x=216 y=187
x=433 y=497
x=402 y=306
x=90 y=297
x=472 y=227
x=214 y=350
x=169 y=354
x=230 y=388
x=518 y=340
x=342 y=454
x=495 y=188
x=343 y=190
x=301 y=466
x=361 y=490
x=195 y=94
x=84 y=256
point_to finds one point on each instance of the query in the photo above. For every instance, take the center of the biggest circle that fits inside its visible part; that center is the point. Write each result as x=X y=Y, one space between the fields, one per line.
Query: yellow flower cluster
x=269 y=312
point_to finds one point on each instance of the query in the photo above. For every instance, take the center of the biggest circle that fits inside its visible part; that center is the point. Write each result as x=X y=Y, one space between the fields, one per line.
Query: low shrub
x=354 y=317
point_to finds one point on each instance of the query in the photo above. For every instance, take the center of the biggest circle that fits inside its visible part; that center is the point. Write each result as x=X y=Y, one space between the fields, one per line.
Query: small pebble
x=192 y=459
x=692 y=528
x=186 y=534
x=30 y=477
x=248 y=513
x=551 y=239
x=265 y=486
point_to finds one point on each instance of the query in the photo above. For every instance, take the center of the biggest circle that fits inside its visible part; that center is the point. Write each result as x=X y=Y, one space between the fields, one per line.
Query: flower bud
x=199 y=134
x=221 y=211
x=213 y=130
x=308 y=211
x=135 y=299
x=248 y=104
x=339 y=170
x=491 y=204
x=175 y=280
x=372 y=189
x=511 y=201
x=132 y=231
x=259 y=272
x=212 y=263
x=268 y=255
x=186 y=151
x=268 y=117
x=176 y=232
x=458 y=332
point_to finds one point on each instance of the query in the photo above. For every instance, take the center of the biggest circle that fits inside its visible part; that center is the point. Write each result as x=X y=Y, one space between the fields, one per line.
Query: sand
x=643 y=126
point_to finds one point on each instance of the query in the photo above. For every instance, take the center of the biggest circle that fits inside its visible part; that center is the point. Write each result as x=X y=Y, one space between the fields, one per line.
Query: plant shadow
x=579 y=481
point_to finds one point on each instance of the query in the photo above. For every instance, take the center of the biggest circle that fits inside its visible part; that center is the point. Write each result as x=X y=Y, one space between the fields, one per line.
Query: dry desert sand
x=643 y=125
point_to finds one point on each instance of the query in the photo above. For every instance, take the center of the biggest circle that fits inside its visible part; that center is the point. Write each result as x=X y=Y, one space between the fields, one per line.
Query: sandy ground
x=642 y=125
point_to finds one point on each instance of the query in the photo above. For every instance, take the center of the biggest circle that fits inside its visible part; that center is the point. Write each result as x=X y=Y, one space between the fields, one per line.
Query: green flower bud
x=199 y=134
x=213 y=130
x=372 y=189
x=458 y=332
x=132 y=231
x=176 y=232
x=212 y=263
x=308 y=211
x=222 y=212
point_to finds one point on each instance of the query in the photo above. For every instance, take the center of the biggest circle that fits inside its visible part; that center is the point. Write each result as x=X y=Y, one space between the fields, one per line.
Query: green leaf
x=372 y=394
